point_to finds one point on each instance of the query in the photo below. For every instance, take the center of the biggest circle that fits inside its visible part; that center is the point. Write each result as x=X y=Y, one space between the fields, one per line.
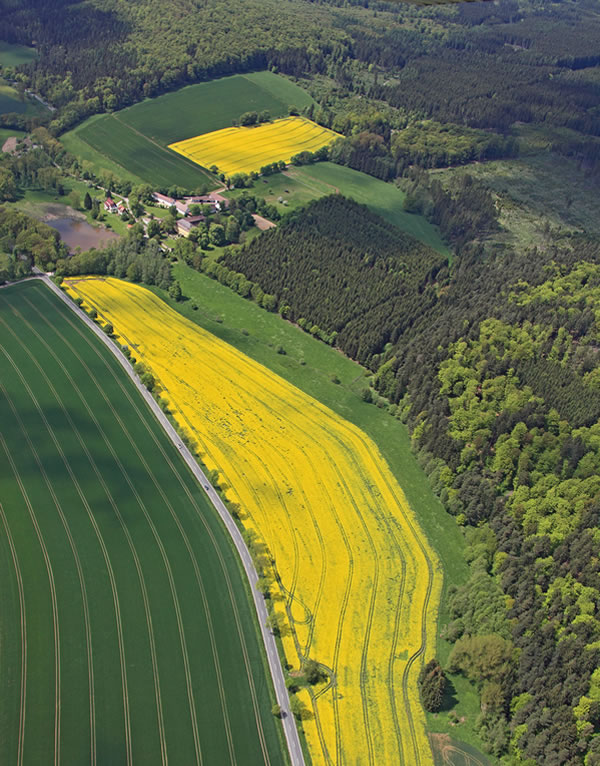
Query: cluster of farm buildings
x=185 y=224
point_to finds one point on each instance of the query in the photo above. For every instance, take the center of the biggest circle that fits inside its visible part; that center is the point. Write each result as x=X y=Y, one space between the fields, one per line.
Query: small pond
x=77 y=233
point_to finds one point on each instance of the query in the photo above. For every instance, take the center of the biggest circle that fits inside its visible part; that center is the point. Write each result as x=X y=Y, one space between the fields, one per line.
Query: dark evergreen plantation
x=335 y=264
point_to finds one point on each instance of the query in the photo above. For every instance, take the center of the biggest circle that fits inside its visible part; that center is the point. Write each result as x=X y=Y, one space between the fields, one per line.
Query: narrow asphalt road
x=288 y=721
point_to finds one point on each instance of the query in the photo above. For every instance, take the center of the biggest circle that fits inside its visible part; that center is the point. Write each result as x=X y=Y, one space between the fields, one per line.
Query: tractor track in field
x=290 y=730
x=23 y=622
x=143 y=586
x=160 y=490
x=80 y=575
x=110 y=571
x=52 y=585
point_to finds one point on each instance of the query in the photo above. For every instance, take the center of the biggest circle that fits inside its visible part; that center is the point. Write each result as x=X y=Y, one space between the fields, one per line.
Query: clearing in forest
x=243 y=150
x=126 y=631
x=354 y=579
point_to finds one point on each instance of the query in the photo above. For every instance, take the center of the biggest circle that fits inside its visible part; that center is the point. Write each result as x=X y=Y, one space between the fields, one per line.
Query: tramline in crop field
x=243 y=150
x=126 y=634
x=355 y=579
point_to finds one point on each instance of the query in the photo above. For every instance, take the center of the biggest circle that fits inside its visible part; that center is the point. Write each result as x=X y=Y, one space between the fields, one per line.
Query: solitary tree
x=432 y=683
x=175 y=291
x=87 y=201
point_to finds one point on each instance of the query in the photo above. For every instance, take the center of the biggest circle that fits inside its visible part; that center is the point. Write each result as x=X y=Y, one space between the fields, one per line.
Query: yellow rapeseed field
x=358 y=584
x=242 y=150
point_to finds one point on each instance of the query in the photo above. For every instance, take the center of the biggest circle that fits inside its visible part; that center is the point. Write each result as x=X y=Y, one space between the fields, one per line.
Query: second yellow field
x=357 y=585
x=243 y=150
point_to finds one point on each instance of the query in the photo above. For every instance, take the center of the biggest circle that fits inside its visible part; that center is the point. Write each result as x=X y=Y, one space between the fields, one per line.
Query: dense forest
x=493 y=364
x=404 y=62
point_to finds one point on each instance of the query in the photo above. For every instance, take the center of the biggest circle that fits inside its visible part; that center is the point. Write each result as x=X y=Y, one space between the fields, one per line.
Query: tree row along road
x=289 y=725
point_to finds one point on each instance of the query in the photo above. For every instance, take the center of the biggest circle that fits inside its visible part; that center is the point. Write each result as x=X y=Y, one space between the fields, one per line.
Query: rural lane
x=287 y=719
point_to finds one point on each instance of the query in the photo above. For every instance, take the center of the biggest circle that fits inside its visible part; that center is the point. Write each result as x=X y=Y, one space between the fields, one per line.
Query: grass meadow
x=127 y=634
x=136 y=139
x=313 y=367
x=15 y=55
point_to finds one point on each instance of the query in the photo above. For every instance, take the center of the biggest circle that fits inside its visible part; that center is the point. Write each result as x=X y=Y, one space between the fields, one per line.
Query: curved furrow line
x=345 y=598
x=130 y=542
x=424 y=609
x=199 y=514
x=80 y=575
x=156 y=536
x=50 y=573
x=102 y=544
x=23 y=622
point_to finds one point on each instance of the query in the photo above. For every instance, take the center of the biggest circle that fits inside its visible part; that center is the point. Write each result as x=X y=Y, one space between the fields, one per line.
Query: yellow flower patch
x=356 y=580
x=242 y=150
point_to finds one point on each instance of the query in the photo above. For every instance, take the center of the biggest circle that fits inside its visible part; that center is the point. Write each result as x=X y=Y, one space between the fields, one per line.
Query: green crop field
x=15 y=55
x=136 y=138
x=126 y=632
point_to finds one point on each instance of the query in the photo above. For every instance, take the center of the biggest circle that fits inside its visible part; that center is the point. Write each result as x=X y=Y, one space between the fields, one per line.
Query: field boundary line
x=23 y=697
x=272 y=656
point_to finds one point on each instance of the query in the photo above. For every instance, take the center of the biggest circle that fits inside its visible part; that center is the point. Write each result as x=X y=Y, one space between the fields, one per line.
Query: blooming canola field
x=356 y=581
x=243 y=150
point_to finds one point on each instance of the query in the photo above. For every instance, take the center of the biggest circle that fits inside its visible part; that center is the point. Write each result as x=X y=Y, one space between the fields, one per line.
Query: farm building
x=185 y=225
x=121 y=207
x=163 y=200
x=110 y=206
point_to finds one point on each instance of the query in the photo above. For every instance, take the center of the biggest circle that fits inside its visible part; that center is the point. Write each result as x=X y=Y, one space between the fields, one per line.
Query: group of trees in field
x=132 y=257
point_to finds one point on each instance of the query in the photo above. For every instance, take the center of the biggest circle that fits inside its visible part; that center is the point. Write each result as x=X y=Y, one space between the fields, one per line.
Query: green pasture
x=8 y=133
x=132 y=143
x=299 y=185
x=127 y=634
x=15 y=55
x=10 y=102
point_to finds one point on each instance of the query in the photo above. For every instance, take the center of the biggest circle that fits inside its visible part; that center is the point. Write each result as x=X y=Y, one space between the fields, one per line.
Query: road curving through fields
x=356 y=581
